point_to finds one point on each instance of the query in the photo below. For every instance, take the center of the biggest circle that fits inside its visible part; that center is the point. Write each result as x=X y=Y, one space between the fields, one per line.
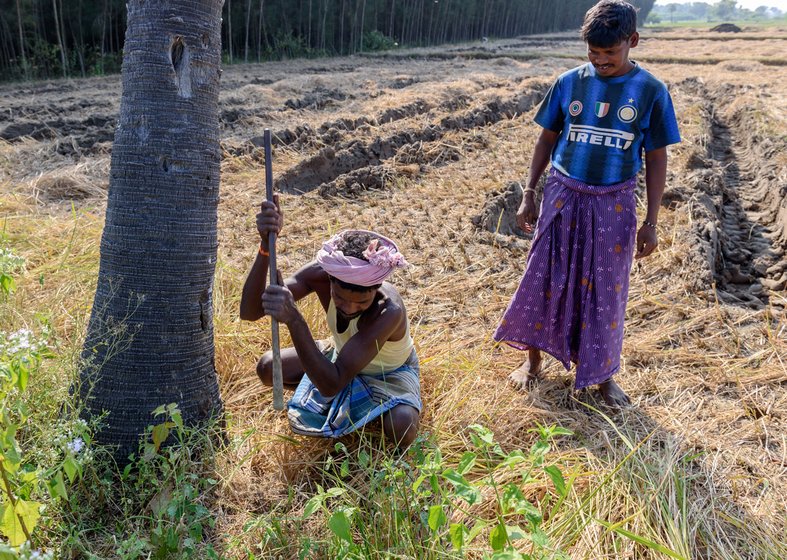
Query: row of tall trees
x=51 y=38
x=704 y=11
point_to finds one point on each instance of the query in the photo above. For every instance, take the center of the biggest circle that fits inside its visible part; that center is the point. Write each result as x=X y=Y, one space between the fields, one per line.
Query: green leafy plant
x=430 y=508
x=166 y=482
x=27 y=482
x=9 y=264
x=377 y=41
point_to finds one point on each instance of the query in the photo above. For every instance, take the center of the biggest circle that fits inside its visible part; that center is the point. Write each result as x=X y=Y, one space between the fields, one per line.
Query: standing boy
x=597 y=120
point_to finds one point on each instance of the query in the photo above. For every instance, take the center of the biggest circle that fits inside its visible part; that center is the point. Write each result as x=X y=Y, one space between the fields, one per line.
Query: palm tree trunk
x=150 y=335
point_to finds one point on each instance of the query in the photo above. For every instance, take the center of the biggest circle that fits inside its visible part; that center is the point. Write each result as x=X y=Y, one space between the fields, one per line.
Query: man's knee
x=265 y=368
x=401 y=424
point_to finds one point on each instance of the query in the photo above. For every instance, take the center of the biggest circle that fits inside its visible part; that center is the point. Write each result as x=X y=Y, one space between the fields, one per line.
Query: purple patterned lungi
x=572 y=299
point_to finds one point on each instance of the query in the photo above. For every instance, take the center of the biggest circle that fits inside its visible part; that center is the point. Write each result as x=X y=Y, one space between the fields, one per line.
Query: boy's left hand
x=647 y=241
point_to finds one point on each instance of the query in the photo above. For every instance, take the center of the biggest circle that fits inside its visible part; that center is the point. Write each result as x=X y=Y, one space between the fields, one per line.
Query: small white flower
x=76 y=445
x=22 y=334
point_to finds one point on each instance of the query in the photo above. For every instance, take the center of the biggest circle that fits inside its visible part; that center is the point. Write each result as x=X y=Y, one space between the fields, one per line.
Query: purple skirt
x=571 y=301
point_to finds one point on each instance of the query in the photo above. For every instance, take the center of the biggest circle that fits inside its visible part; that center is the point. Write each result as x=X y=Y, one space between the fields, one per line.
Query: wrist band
x=647 y=223
x=529 y=189
x=263 y=252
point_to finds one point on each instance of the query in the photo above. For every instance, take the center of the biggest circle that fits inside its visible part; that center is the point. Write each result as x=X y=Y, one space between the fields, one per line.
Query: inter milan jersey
x=604 y=123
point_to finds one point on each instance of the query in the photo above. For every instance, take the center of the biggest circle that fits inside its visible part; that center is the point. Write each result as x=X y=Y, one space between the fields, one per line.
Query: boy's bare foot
x=613 y=394
x=526 y=375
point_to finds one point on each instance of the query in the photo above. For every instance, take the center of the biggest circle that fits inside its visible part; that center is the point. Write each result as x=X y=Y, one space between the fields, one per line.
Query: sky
x=748 y=4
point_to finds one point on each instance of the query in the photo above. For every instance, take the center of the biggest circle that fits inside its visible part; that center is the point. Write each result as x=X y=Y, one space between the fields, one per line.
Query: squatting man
x=369 y=369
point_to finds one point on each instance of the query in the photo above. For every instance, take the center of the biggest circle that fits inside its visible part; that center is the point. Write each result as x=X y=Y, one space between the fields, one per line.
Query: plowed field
x=425 y=146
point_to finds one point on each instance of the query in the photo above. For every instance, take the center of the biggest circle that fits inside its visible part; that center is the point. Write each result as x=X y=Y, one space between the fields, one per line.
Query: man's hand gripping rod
x=278 y=383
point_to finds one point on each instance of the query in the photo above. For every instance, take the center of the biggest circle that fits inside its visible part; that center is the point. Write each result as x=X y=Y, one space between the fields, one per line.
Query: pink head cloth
x=383 y=254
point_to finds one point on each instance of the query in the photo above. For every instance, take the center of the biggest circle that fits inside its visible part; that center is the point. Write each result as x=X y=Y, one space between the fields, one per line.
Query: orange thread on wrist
x=263 y=252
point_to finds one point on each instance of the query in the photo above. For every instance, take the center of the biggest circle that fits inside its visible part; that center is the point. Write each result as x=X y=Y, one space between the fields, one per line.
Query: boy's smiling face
x=613 y=61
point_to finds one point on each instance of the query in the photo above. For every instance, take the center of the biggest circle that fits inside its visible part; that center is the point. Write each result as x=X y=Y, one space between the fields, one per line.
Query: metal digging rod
x=278 y=383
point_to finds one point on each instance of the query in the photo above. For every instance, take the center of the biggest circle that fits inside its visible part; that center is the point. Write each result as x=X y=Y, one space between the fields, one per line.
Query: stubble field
x=423 y=146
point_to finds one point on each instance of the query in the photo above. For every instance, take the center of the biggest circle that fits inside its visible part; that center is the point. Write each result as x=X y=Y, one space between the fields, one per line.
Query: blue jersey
x=604 y=123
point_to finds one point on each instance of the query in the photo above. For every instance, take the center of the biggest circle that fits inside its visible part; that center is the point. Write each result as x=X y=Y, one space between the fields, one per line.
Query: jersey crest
x=601 y=109
x=627 y=113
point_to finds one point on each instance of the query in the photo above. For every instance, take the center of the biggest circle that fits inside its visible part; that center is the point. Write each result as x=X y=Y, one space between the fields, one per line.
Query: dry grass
x=83 y=180
x=696 y=464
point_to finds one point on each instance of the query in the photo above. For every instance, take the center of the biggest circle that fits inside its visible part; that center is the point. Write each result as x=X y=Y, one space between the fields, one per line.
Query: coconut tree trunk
x=150 y=335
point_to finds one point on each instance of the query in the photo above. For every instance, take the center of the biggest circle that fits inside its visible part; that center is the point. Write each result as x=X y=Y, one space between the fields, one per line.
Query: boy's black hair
x=353 y=244
x=608 y=23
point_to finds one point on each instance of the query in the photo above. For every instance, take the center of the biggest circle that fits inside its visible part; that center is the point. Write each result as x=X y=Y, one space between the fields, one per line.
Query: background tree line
x=51 y=38
x=704 y=11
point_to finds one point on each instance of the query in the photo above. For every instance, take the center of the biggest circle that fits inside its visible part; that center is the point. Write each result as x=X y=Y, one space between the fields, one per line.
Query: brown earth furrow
x=411 y=160
x=332 y=162
x=317 y=99
x=334 y=132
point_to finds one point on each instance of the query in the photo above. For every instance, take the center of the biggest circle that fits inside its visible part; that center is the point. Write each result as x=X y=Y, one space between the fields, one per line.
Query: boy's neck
x=629 y=66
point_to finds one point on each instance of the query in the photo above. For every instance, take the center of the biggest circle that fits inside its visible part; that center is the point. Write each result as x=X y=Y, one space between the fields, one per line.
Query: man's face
x=349 y=303
x=612 y=61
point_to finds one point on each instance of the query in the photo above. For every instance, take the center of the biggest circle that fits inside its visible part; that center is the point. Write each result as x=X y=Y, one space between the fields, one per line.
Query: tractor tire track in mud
x=344 y=164
x=738 y=205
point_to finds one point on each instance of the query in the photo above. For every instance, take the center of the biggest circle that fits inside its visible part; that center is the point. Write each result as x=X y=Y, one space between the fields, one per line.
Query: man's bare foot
x=526 y=375
x=613 y=394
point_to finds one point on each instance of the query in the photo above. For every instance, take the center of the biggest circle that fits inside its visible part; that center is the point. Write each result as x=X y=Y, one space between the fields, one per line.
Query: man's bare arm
x=331 y=377
x=306 y=280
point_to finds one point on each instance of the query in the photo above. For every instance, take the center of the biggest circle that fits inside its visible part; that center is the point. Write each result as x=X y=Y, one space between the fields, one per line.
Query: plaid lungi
x=366 y=397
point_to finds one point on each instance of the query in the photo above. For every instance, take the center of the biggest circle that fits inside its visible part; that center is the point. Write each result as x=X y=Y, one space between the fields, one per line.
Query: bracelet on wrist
x=263 y=252
x=649 y=224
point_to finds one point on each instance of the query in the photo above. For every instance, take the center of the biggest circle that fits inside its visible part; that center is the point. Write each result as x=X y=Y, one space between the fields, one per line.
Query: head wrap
x=383 y=258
